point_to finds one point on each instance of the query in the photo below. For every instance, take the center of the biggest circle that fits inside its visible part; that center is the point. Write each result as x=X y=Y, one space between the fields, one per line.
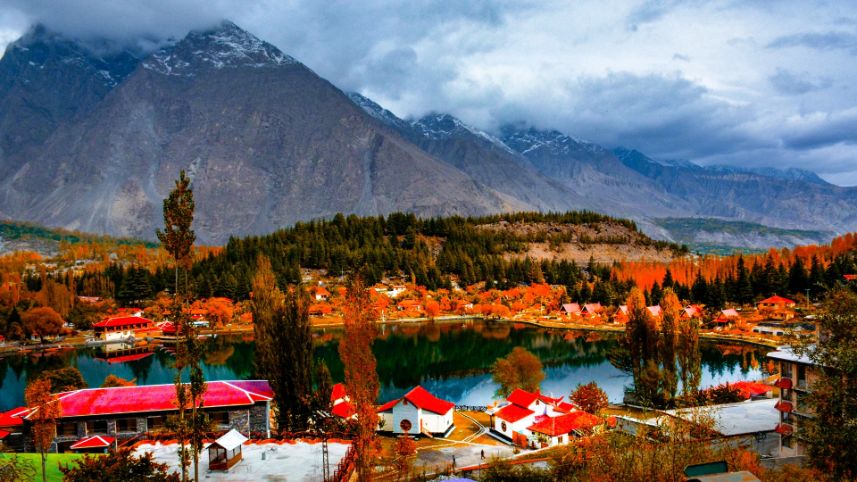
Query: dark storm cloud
x=822 y=130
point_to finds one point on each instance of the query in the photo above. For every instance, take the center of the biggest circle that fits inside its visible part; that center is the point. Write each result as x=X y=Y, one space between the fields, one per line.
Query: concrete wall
x=435 y=423
x=405 y=410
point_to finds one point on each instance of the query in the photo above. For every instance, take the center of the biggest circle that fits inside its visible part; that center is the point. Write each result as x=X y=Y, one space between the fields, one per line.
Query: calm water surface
x=450 y=360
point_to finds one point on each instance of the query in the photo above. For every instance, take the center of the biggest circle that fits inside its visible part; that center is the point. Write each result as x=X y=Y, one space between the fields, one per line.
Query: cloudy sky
x=750 y=83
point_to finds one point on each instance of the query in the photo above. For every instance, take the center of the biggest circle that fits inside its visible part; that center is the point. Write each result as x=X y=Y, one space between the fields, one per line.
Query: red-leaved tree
x=361 y=376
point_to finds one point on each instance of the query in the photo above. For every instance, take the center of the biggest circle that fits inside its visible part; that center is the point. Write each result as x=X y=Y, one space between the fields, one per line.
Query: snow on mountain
x=530 y=140
x=226 y=46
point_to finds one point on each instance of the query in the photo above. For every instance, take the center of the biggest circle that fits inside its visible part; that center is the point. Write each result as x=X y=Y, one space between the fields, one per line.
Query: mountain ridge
x=268 y=142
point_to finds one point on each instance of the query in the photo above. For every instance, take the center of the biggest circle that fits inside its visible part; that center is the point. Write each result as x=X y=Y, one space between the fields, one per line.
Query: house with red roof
x=570 y=309
x=126 y=412
x=777 y=308
x=591 y=309
x=12 y=428
x=121 y=328
x=727 y=316
x=522 y=409
x=550 y=431
x=691 y=311
x=418 y=411
x=655 y=311
x=320 y=293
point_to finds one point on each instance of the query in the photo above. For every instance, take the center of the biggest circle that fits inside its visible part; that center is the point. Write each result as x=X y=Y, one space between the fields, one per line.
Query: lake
x=452 y=360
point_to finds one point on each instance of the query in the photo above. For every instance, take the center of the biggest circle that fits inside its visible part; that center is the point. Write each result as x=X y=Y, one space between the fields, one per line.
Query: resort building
x=121 y=328
x=777 y=308
x=570 y=309
x=418 y=411
x=550 y=431
x=797 y=374
x=126 y=412
x=511 y=419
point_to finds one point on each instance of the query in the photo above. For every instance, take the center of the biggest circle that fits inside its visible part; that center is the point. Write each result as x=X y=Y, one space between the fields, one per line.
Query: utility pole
x=324 y=416
x=807 y=298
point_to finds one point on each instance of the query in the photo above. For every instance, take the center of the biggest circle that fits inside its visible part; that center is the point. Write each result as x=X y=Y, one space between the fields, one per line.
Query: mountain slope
x=266 y=140
x=481 y=156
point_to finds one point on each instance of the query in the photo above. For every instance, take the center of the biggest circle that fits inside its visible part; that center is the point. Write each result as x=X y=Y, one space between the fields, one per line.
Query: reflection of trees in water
x=405 y=360
x=142 y=368
x=717 y=358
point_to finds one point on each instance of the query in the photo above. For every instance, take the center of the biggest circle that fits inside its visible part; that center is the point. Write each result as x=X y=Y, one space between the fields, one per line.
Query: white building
x=121 y=328
x=418 y=411
x=522 y=409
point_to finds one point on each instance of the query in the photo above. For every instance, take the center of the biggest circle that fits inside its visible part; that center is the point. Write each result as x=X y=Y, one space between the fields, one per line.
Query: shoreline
x=78 y=342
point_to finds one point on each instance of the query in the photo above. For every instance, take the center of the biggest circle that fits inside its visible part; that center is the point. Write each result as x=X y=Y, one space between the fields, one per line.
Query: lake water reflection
x=450 y=360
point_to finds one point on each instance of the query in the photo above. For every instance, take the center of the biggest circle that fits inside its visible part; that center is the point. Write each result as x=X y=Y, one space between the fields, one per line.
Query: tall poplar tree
x=283 y=346
x=361 y=375
x=670 y=314
x=177 y=239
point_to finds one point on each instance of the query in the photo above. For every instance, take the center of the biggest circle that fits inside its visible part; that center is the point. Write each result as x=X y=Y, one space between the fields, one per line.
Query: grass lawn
x=51 y=464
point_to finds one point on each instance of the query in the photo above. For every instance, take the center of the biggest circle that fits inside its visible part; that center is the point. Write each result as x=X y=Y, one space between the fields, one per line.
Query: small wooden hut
x=225 y=452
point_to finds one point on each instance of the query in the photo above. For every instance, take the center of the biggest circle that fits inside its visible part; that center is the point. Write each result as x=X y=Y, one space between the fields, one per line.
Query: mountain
x=91 y=139
x=266 y=141
x=481 y=156
x=783 y=199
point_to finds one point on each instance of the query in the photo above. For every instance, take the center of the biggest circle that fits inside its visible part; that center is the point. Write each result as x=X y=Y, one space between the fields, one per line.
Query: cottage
x=417 y=412
x=691 y=311
x=655 y=311
x=12 y=428
x=320 y=293
x=727 y=316
x=409 y=305
x=121 y=328
x=621 y=314
x=591 y=309
x=777 y=308
x=125 y=412
x=550 y=431
x=570 y=309
x=225 y=452
x=521 y=409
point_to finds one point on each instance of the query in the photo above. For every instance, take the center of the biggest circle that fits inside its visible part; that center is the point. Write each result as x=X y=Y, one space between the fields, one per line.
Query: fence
x=346 y=466
x=471 y=408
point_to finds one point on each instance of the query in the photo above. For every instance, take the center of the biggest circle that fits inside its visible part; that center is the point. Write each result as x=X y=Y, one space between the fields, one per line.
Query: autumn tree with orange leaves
x=590 y=398
x=361 y=376
x=44 y=418
x=520 y=369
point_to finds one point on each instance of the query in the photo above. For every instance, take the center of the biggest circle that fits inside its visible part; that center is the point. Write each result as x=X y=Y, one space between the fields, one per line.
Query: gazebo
x=225 y=452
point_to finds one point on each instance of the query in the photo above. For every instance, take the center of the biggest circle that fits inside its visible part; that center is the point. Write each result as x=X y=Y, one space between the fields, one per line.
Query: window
x=405 y=425
x=787 y=442
x=96 y=426
x=221 y=418
x=787 y=370
x=503 y=426
x=155 y=423
x=67 y=428
x=126 y=425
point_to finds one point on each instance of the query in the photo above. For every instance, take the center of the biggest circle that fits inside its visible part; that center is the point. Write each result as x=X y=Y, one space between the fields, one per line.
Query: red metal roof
x=94 y=442
x=777 y=300
x=563 y=424
x=337 y=392
x=389 y=405
x=512 y=413
x=122 y=321
x=344 y=409
x=751 y=389
x=14 y=417
x=421 y=398
x=4 y=434
x=522 y=398
x=158 y=398
x=565 y=407
x=784 y=406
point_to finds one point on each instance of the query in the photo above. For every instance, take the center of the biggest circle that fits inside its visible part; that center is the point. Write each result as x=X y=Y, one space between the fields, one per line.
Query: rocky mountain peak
x=221 y=47
x=529 y=141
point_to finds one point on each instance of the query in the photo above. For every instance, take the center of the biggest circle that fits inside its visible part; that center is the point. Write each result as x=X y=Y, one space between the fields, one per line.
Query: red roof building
x=125 y=412
x=776 y=303
x=418 y=411
x=123 y=322
x=565 y=424
x=512 y=413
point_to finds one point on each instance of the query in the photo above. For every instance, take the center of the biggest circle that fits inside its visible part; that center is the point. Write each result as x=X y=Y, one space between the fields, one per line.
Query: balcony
x=784 y=406
x=784 y=383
